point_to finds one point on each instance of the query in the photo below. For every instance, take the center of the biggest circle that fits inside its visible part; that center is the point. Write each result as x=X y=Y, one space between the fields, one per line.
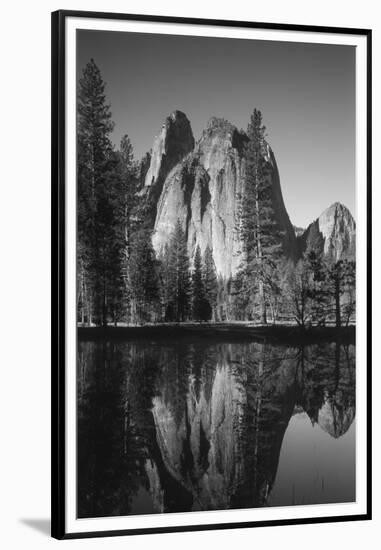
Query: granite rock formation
x=201 y=183
x=174 y=141
x=201 y=187
x=333 y=234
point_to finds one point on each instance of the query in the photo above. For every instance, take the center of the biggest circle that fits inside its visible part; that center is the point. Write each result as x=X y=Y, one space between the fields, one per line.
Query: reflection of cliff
x=335 y=419
x=202 y=449
x=328 y=387
x=224 y=444
x=185 y=426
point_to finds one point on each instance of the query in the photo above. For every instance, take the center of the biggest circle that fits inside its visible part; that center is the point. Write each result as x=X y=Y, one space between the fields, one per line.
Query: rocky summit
x=333 y=234
x=201 y=187
x=174 y=141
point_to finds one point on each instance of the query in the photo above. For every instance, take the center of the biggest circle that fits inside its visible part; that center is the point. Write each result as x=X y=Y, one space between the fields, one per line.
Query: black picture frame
x=58 y=220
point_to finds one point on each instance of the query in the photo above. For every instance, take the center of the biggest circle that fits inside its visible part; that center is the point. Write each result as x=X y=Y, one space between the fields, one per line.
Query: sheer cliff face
x=202 y=190
x=333 y=234
x=174 y=141
x=170 y=146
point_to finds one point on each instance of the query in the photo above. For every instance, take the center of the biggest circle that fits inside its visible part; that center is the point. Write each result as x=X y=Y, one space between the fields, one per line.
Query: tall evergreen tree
x=316 y=267
x=143 y=275
x=179 y=273
x=128 y=201
x=197 y=286
x=97 y=245
x=341 y=281
x=201 y=308
x=349 y=301
x=243 y=293
x=210 y=280
x=259 y=231
x=166 y=281
x=112 y=218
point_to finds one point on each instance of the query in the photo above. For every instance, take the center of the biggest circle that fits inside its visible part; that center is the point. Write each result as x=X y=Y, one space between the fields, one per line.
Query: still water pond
x=170 y=426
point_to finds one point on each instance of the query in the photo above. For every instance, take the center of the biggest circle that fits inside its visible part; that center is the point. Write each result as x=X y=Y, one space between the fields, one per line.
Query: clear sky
x=306 y=93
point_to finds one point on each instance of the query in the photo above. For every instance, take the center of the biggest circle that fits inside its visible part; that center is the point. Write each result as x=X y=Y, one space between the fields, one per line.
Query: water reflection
x=181 y=426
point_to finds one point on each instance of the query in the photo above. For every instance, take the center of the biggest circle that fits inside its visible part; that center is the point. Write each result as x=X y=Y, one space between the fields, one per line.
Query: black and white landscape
x=216 y=346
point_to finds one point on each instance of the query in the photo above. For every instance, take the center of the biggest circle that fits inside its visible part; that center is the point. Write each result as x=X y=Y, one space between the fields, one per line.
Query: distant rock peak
x=332 y=234
x=336 y=208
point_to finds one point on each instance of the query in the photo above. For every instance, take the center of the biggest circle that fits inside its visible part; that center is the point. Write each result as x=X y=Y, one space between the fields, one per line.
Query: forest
x=122 y=281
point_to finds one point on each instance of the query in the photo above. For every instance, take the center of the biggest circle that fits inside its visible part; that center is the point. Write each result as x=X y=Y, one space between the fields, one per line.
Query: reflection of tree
x=172 y=381
x=269 y=386
x=198 y=425
x=112 y=406
x=117 y=449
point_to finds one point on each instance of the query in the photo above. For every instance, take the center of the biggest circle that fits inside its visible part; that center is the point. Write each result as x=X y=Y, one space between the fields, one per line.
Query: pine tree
x=166 y=280
x=341 y=280
x=101 y=205
x=318 y=287
x=128 y=169
x=143 y=274
x=201 y=308
x=274 y=282
x=330 y=280
x=259 y=231
x=243 y=295
x=95 y=163
x=197 y=287
x=336 y=276
x=349 y=299
x=111 y=225
x=225 y=299
x=179 y=275
x=210 y=280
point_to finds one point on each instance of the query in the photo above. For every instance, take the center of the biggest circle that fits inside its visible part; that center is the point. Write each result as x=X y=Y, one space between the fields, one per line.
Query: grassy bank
x=221 y=331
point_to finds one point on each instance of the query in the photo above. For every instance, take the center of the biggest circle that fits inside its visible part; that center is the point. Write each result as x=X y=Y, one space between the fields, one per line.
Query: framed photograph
x=211 y=188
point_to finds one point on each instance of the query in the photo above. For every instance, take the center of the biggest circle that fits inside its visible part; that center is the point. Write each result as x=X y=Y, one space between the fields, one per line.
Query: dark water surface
x=170 y=426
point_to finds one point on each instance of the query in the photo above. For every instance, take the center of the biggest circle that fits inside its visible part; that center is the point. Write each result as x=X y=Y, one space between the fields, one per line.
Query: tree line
x=120 y=279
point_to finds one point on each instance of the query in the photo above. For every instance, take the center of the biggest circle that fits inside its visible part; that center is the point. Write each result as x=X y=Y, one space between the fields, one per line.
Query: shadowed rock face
x=333 y=234
x=170 y=146
x=203 y=190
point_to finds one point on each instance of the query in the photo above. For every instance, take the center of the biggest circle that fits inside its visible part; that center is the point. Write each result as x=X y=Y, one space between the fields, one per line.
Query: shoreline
x=221 y=331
